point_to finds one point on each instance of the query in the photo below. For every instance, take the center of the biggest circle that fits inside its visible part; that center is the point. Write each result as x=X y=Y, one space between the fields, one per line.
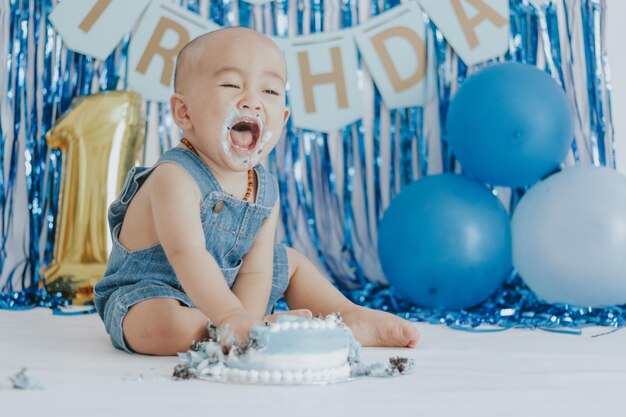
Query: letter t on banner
x=323 y=81
x=477 y=29
x=163 y=31
x=394 y=50
x=95 y=27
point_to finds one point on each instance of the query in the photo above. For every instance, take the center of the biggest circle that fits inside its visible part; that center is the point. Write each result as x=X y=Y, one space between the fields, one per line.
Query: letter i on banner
x=163 y=31
x=477 y=29
x=394 y=48
x=323 y=89
x=95 y=27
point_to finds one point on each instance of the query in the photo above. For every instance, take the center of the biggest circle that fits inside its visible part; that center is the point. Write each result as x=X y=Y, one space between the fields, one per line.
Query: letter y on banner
x=163 y=31
x=323 y=81
x=95 y=27
x=477 y=29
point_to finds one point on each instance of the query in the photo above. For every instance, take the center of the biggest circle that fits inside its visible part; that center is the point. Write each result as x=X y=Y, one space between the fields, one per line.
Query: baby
x=193 y=236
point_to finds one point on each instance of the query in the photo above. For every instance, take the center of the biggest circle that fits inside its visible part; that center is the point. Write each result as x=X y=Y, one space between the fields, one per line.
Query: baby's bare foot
x=378 y=328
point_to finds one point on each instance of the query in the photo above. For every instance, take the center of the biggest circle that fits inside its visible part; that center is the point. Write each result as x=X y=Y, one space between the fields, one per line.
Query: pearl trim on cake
x=282 y=377
x=305 y=325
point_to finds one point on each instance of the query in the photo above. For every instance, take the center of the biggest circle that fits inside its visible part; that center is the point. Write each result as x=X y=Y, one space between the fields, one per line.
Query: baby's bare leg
x=161 y=326
x=309 y=289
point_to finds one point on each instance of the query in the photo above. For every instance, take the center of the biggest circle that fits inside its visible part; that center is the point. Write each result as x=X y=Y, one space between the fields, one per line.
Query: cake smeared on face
x=243 y=137
x=292 y=350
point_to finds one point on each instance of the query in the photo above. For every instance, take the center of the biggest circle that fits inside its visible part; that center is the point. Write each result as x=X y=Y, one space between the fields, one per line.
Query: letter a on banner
x=395 y=51
x=323 y=89
x=163 y=31
x=95 y=27
x=477 y=29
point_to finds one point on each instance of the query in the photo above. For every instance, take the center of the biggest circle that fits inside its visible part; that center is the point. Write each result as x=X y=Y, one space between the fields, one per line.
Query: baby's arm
x=254 y=280
x=175 y=202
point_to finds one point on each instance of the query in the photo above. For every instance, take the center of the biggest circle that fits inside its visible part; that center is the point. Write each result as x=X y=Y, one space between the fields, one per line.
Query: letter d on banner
x=395 y=52
x=323 y=89
x=163 y=31
x=95 y=27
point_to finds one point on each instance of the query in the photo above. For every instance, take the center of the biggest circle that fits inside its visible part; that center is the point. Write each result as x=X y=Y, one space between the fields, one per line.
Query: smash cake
x=291 y=351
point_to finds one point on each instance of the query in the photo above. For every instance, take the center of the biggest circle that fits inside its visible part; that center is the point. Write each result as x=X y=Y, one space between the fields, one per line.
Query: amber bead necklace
x=188 y=144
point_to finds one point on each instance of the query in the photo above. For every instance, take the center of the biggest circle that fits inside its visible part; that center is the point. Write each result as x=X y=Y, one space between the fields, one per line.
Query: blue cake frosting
x=291 y=334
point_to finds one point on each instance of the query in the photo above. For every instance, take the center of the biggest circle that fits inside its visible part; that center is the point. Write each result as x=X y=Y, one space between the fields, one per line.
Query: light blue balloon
x=569 y=237
x=445 y=241
x=510 y=124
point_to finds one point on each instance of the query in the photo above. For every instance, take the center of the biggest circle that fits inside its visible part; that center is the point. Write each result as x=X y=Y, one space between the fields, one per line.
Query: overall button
x=218 y=206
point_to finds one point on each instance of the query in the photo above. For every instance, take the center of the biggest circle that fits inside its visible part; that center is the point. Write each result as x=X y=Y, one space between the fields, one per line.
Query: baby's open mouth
x=244 y=135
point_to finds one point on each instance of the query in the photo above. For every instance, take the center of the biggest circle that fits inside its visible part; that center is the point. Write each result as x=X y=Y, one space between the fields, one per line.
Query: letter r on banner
x=323 y=91
x=163 y=31
x=155 y=47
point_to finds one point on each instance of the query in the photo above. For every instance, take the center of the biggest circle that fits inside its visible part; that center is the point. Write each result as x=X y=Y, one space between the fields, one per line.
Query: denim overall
x=230 y=226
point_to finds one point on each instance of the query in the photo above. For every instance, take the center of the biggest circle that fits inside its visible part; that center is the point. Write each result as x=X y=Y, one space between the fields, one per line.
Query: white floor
x=510 y=373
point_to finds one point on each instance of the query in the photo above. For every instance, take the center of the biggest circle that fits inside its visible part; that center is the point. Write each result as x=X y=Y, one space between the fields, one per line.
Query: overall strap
x=194 y=166
x=268 y=187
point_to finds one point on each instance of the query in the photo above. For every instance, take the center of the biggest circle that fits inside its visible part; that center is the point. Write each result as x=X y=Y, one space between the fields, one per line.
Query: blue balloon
x=510 y=124
x=569 y=237
x=445 y=241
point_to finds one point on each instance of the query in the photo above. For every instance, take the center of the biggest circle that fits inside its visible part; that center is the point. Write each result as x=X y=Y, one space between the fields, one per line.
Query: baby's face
x=236 y=99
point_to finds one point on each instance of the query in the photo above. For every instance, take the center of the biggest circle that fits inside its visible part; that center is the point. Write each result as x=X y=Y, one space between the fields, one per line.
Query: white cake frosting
x=293 y=350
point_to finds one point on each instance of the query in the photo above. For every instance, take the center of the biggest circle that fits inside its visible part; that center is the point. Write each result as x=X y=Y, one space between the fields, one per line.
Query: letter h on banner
x=323 y=91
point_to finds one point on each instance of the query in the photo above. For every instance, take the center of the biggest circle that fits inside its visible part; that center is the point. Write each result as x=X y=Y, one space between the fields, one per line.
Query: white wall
x=615 y=34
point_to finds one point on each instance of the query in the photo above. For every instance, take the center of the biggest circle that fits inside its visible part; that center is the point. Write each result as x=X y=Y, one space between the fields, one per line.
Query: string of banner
x=352 y=143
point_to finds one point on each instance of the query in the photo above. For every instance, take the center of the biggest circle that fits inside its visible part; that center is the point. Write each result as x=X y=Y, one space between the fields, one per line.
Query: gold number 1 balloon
x=100 y=138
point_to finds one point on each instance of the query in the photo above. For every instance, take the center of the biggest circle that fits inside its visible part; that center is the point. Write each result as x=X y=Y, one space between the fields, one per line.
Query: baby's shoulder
x=167 y=171
x=170 y=176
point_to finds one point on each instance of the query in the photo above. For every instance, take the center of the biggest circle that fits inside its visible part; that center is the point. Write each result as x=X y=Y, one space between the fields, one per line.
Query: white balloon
x=569 y=237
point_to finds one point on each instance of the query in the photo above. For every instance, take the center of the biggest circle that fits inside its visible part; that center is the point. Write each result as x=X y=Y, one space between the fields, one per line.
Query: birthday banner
x=323 y=89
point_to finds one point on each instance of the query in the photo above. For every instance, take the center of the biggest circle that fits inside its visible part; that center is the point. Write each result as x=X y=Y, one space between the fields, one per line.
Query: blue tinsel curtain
x=334 y=187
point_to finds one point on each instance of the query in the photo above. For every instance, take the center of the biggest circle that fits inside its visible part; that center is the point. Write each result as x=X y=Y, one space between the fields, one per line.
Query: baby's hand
x=239 y=324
